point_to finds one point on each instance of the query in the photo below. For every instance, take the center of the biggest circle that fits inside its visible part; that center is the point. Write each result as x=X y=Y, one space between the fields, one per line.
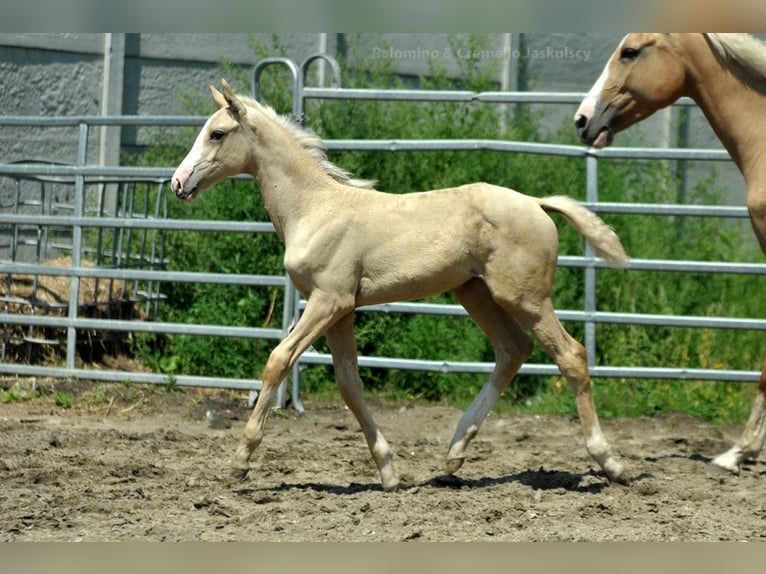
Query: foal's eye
x=629 y=53
x=217 y=135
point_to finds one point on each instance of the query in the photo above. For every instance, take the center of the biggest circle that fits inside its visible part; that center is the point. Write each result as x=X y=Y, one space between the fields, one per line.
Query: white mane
x=744 y=54
x=311 y=142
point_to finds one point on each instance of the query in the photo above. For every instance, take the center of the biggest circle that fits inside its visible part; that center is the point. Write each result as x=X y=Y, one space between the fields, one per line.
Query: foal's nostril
x=581 y=121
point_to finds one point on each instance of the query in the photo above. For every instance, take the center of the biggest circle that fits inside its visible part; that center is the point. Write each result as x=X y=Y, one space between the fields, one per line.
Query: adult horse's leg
x=344 y=358
x=753 y=436
x=512 y=346
x=321 y=312
x=571 y=358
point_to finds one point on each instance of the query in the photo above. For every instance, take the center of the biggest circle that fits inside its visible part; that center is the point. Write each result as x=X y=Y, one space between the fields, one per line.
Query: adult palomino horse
x=348 y=245
x=725 y=74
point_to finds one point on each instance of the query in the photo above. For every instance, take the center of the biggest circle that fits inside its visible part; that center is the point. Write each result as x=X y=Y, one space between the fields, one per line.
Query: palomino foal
x=347 y=245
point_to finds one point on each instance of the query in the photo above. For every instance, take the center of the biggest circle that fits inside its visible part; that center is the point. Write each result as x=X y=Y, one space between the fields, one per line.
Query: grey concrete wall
x=66 y=74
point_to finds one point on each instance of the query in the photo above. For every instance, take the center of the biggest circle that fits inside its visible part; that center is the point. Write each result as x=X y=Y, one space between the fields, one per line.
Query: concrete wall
x=86 y=73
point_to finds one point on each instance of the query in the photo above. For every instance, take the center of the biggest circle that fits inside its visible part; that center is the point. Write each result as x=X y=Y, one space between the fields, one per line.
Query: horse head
x=220 y=150
x=643 y=75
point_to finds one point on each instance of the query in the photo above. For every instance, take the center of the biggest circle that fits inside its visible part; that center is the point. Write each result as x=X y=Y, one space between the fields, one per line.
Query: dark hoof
x=236 y=476
x=624 y=479
x=454 y=464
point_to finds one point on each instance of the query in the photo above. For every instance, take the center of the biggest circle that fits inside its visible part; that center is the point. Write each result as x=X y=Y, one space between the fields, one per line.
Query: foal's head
x=645 y=73
x=220 y=150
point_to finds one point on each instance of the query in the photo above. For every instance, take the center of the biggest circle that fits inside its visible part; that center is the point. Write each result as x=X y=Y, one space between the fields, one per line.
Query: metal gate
x=152 y=272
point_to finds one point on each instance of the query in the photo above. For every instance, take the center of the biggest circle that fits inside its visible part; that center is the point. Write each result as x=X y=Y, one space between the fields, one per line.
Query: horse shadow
x=590 y=482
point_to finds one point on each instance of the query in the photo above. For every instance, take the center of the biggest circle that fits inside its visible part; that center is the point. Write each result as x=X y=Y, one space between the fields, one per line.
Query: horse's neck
x=736 y=112
x=290 y=181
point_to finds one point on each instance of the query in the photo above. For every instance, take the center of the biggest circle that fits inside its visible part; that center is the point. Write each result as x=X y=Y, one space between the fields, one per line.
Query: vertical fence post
x=291 y=311
x=591 y=196
x=79 y=212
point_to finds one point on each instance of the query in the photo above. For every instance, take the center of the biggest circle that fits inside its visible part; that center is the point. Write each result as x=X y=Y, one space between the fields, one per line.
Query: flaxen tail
x=601 y=237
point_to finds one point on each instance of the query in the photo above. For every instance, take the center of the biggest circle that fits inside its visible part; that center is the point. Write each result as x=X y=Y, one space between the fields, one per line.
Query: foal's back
x=418 y=244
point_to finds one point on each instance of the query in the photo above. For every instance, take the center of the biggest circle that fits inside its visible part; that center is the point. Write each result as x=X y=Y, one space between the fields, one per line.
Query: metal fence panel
x=78 y=218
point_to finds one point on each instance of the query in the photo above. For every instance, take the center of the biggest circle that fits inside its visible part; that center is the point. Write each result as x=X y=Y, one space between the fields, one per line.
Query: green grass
x=716 y=402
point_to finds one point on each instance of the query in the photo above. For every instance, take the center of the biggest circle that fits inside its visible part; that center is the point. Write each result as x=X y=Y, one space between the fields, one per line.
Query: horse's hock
x=45 y=249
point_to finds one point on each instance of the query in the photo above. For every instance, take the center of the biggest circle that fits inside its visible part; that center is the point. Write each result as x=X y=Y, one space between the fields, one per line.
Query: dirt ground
x=140 y=463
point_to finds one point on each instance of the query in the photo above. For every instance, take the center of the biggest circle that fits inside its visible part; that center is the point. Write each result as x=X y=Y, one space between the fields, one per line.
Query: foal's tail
x=602 y=238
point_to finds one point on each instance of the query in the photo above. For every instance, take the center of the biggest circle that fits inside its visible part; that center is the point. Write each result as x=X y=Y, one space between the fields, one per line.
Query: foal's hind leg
x=344 y=358
x=512 y=346
x=571 y=358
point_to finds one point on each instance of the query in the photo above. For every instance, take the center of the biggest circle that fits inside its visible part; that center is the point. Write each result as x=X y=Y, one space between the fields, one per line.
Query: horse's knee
x=277 y=366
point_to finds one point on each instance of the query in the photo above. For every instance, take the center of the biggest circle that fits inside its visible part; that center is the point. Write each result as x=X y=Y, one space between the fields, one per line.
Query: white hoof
x=728 y=461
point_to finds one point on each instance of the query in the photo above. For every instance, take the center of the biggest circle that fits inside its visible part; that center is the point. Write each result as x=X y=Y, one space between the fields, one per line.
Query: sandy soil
x=147 y=465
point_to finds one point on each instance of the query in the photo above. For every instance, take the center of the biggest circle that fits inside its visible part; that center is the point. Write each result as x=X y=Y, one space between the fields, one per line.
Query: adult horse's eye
x=629 y=53
x=217 y=135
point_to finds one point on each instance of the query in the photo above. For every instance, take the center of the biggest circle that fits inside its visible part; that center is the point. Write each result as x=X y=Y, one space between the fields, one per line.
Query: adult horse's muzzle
x=597 y=135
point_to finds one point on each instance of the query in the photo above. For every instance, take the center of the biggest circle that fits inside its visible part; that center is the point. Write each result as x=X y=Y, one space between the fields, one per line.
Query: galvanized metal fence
x=151 y=270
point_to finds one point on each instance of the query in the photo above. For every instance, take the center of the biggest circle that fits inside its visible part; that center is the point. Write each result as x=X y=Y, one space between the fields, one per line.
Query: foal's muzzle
x=178 y=188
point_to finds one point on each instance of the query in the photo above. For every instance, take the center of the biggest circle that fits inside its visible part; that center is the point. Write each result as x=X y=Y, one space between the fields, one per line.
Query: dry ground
x=140 y=463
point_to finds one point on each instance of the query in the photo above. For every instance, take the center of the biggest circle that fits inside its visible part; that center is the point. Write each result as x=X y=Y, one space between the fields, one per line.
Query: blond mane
x=309 y=141
x=744 y=55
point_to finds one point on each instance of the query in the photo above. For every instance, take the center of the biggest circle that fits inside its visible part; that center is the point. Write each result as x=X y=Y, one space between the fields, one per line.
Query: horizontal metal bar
x=465 y=96
x=734 y=268
x=141 y=326
x=442 y=96
x=646 y=319
x=697 y=266
x=676 y=373
x=139 y=223
x=145 y=274
x=558 y=150
x=733 y=211
x=661 y=320
x=134 y=120
x=394 y=145
x=131 y=376
x=314 y=358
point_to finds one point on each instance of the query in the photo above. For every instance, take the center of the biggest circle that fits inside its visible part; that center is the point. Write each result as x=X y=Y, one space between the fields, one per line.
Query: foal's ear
x=232 y=100
x=218 y=97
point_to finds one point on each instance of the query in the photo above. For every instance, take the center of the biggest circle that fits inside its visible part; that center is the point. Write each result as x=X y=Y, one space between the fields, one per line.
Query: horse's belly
x=403 y=285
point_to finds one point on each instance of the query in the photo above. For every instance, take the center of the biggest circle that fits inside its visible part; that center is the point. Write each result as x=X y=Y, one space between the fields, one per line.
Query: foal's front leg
x=344 y=358
x=320 y=312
